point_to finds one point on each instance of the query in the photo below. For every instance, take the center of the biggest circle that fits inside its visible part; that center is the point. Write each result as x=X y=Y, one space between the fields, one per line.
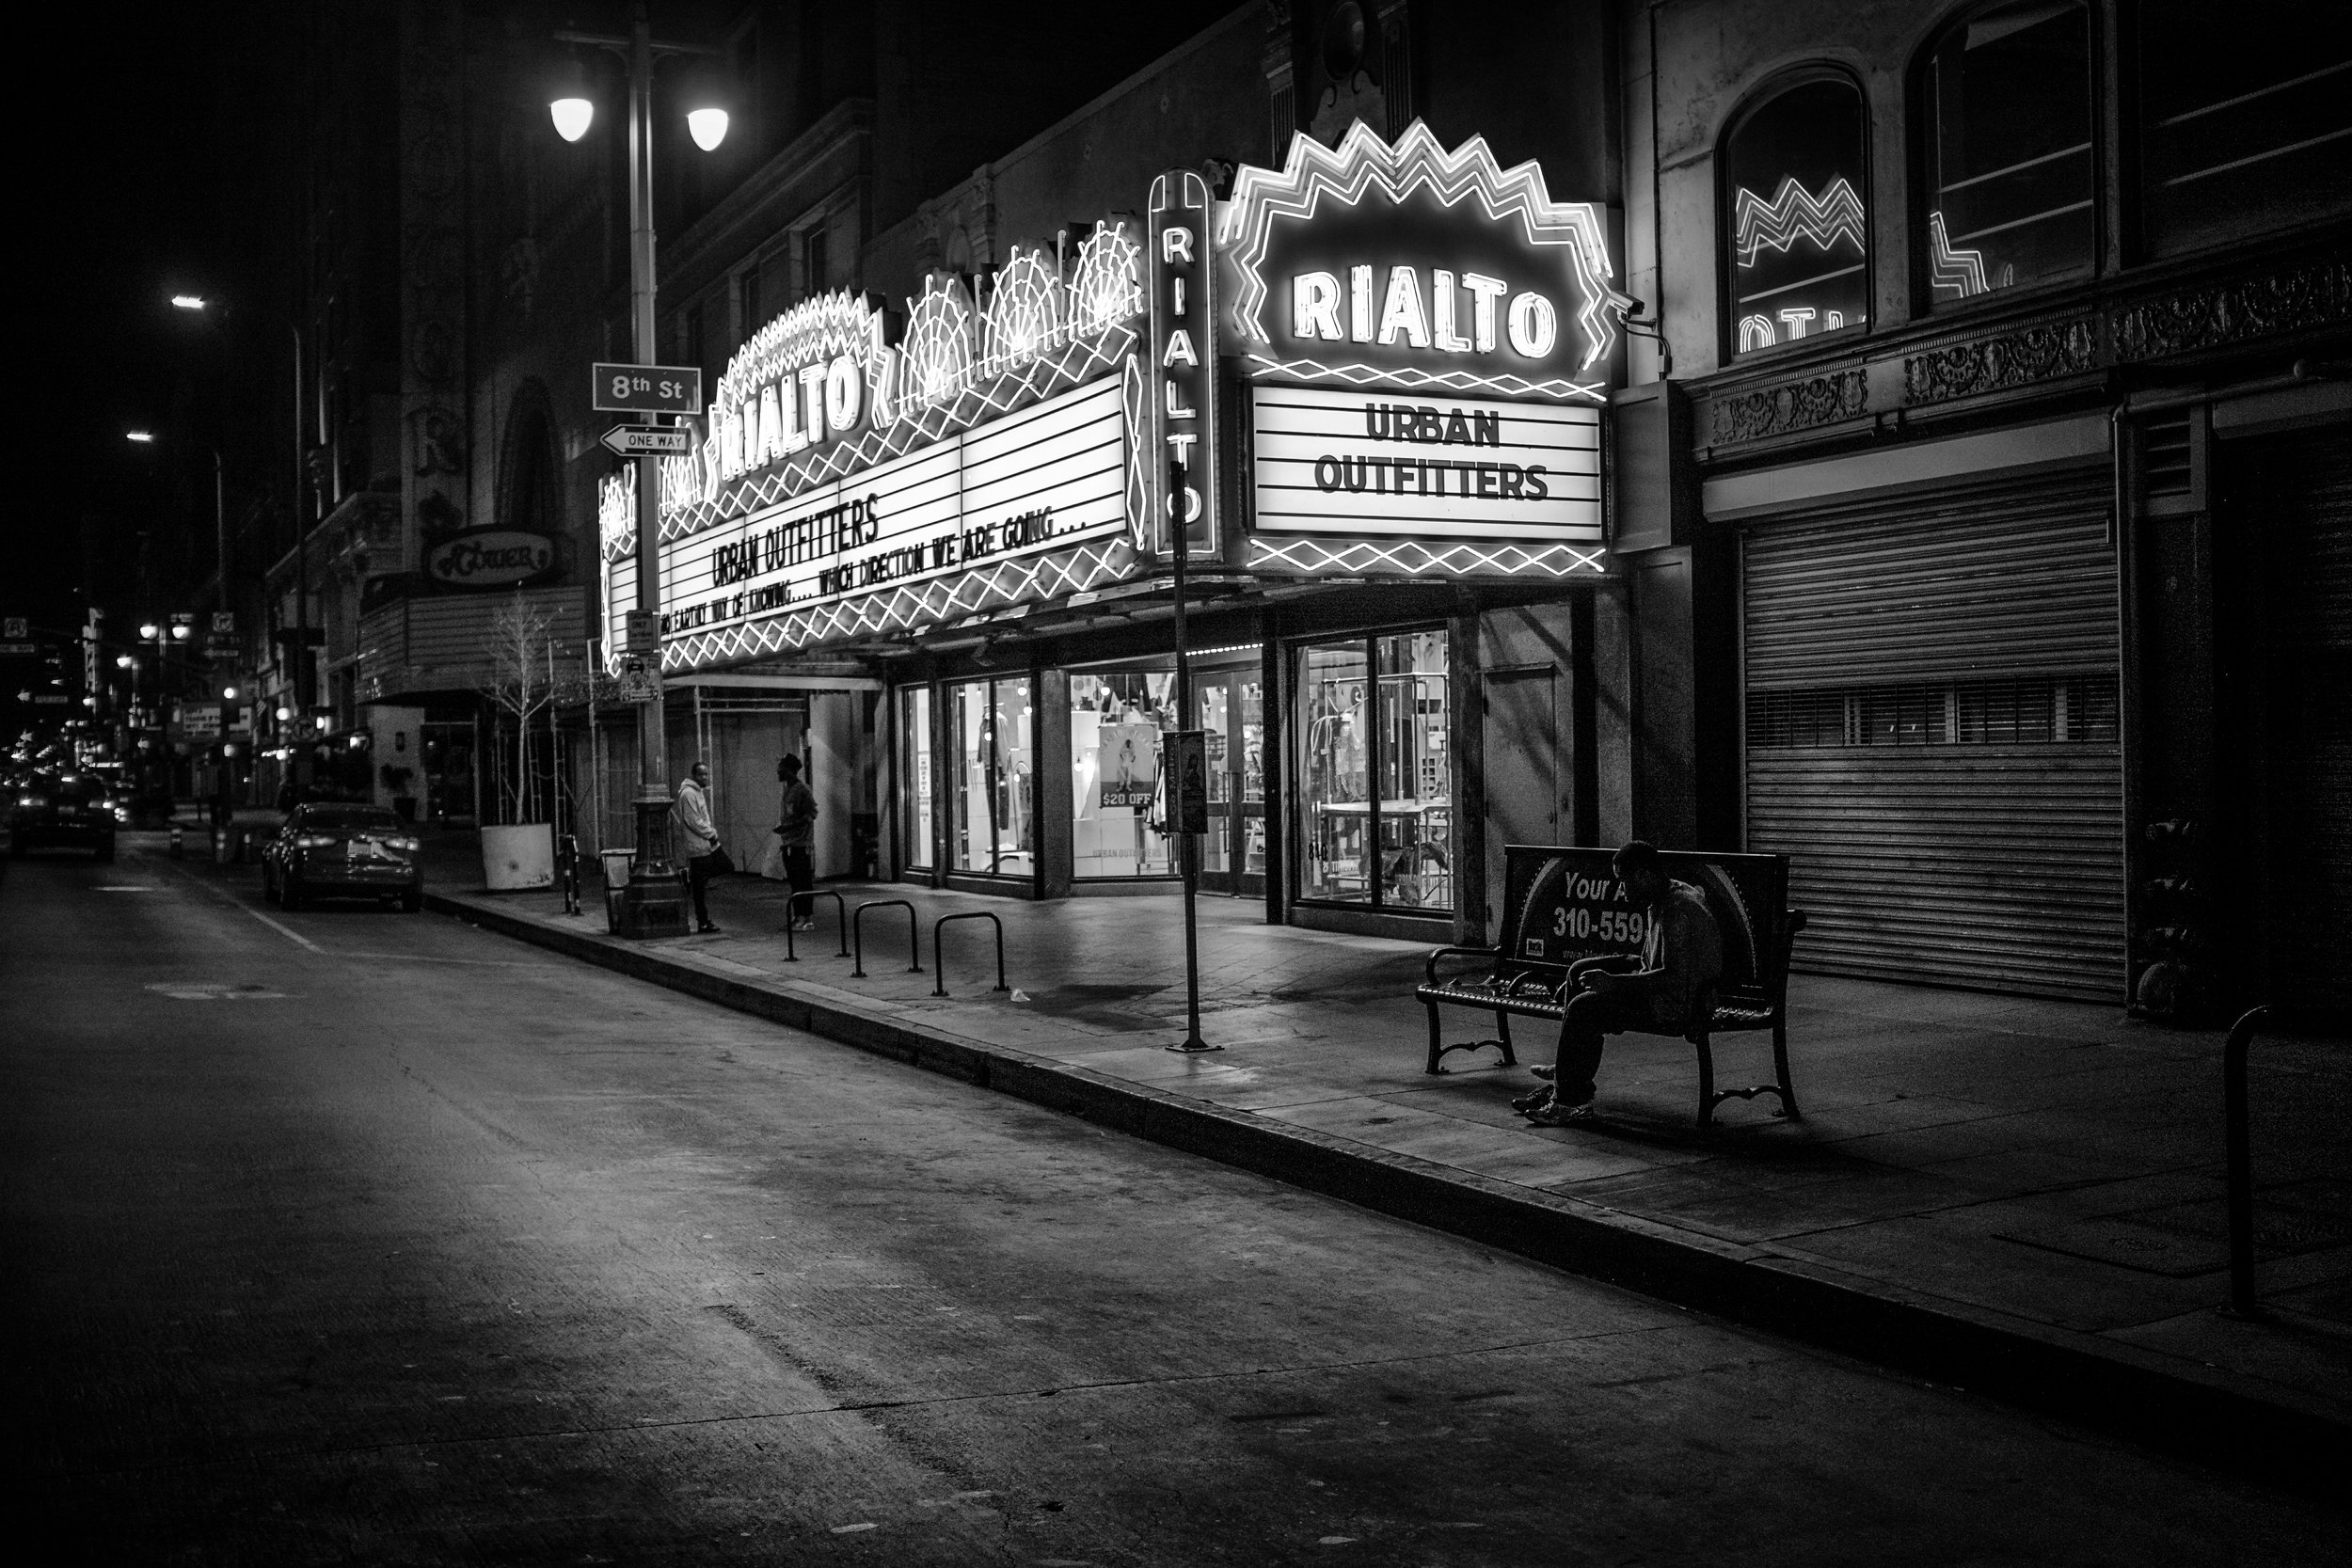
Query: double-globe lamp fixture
x=574 y=111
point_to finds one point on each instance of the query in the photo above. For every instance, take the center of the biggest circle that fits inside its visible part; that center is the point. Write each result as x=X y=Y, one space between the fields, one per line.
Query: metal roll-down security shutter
x=1932 y=737
x=2304 y=490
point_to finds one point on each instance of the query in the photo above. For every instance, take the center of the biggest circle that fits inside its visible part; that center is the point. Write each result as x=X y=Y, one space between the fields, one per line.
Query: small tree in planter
x=517 y=853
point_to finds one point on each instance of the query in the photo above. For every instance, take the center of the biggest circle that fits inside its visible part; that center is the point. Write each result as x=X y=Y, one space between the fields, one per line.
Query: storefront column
x=1275 y=760
x=1466 y=739
x=1050 y=769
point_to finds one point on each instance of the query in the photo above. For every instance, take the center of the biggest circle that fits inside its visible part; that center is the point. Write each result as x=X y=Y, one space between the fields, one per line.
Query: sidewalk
x=2023 y=1195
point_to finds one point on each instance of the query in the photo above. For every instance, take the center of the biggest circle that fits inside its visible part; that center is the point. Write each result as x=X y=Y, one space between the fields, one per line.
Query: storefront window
x=1117 y=718
x=1796 y=220
x=995 y=798
x=1374 y=781
x=2008 y=150
x=915 y=796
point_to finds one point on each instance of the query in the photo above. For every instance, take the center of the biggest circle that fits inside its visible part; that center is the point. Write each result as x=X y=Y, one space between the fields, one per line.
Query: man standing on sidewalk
x=796 y=833
x=701 y=838
x=1682 y=952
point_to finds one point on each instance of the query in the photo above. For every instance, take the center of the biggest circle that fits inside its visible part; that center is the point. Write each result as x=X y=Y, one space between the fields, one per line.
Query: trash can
x=616 y=864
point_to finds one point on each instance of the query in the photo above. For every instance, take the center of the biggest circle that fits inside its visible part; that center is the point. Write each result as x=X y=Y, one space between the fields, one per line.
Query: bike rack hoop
x=915 y=935
x=939 y=969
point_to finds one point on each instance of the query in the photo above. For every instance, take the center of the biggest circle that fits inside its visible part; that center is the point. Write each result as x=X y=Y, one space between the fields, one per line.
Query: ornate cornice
x=2045 y=352
x=2312 y=293
x=1793 y=405
x=2220 y=314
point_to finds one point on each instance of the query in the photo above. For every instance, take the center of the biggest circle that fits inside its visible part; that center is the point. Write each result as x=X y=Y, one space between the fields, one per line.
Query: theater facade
x=1371 y=383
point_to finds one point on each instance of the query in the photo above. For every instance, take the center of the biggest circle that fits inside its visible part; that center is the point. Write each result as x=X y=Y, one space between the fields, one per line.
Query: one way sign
x=647 y=440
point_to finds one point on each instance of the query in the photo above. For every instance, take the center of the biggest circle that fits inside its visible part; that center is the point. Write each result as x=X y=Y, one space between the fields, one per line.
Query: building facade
x=2000 y=498
x=1957 y=500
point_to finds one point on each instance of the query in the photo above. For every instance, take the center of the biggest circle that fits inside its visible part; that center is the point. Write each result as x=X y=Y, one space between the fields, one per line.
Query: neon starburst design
x=1365 y=166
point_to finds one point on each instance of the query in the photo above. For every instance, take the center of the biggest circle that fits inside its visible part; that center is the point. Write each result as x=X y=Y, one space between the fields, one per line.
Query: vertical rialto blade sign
x=1182 y=368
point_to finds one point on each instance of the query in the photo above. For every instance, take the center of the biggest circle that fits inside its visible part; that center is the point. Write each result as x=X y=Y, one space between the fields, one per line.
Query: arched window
x=1796 y=215
x=2011 y=177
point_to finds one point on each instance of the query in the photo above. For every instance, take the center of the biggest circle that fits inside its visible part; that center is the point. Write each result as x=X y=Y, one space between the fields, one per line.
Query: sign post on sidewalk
x=1182 y=371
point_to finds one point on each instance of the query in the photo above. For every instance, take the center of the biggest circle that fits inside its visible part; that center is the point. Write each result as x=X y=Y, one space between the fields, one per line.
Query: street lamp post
x=650 y=905
x=199 y=305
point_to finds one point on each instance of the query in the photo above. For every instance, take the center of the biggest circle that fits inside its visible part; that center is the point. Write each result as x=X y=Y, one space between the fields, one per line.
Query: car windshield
x=71 y=786
x=348 y=818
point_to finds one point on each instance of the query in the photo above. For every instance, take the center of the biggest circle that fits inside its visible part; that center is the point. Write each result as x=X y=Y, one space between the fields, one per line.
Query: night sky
x=164 y=170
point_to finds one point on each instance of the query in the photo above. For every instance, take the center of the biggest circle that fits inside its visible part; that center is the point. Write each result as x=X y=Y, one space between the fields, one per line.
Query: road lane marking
x=290 y=935
x=129 y=887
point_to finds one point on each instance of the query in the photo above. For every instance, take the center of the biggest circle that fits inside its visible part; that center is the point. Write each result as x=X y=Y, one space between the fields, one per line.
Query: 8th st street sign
x=648 y=389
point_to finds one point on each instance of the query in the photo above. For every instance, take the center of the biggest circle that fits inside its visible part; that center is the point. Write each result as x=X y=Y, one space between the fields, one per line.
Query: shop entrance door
x=1231 y=710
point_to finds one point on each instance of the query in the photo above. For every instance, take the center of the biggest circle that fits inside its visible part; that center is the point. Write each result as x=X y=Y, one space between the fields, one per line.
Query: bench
x=1563 y=904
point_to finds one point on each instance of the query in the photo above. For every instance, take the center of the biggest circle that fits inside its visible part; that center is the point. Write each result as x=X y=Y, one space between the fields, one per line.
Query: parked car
x=68 y=809
x=331 y=850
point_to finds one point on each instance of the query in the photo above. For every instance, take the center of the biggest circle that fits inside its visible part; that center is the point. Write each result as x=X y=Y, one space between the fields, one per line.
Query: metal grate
x=2164 y=443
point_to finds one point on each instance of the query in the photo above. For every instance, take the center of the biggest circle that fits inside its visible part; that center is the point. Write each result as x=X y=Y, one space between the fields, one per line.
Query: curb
x=2144 y=1398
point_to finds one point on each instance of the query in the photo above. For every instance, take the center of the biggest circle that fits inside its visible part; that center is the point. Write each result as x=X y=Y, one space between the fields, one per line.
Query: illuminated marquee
x=956 y=365
x=1375 y=465
x=982 y=462
x=1040 y=480
x=1416 y=269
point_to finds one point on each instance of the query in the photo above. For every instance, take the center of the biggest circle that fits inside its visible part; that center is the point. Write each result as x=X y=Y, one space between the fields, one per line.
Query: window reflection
x=2009 y=150
x=1797 y=220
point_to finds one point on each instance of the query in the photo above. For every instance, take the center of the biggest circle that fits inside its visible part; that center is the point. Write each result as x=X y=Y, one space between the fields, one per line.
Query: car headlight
x=31 y=803
x=407 y=846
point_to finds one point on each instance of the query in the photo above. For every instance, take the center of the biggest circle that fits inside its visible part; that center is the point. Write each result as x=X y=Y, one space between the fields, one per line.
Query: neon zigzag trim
x=1417 y=559
x=1962 y=270
x=915 y=604
x=1794 y=215
x=1363 y=163
x=1413 y=380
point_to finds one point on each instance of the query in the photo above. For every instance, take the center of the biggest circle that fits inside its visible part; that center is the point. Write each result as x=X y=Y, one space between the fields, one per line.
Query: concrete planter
x=518 y=857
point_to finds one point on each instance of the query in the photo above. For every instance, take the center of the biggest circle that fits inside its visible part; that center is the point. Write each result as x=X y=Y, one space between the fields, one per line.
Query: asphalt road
x=347 y=1236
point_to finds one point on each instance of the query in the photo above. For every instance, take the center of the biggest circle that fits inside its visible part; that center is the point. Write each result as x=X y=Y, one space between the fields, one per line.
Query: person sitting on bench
x=1681 y=952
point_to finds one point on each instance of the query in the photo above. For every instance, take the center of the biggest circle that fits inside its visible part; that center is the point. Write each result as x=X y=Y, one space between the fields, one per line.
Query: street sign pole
x=654 y=902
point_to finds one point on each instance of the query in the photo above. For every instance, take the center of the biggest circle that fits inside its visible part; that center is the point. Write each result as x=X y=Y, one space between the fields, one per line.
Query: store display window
x=993 y=791
x=1118 y=797
x=1796 y=222
x=2009 y=150
x=1375 y=805
x=915 y=794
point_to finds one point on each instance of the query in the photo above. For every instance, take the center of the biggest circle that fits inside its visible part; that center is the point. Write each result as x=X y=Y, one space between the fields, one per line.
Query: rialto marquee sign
x=1426 y=340
x=842 y=486
x=1429 y=340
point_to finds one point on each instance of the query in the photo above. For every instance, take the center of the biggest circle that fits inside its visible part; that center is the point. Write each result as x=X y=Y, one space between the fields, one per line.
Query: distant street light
x=149 y=631
x=144 y=438
x=229 y=693
x=187 y=302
